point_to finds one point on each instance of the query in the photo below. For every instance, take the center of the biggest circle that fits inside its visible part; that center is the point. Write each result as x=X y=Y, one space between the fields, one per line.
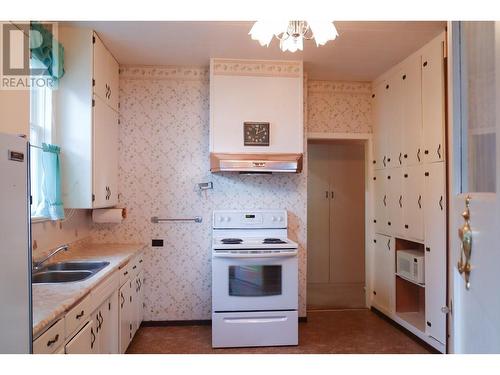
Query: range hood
x=256 y=163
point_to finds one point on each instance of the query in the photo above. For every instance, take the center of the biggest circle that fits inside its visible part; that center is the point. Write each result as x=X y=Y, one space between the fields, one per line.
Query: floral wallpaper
x=340 y=107
x=164 y=116
x=163 y=155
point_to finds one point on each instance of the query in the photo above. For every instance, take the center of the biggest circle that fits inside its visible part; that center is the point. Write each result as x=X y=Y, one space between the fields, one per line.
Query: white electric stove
x=254 y=279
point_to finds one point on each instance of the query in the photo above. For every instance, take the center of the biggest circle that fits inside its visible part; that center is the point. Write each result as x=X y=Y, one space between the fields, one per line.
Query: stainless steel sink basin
x=60 y=276
x=64 y=272
x=75 y=266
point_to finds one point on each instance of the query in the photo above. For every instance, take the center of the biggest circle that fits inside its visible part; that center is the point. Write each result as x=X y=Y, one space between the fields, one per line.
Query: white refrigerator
x=15 y=246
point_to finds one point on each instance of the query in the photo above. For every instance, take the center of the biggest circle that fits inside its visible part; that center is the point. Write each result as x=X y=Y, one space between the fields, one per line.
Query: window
x=40 y=132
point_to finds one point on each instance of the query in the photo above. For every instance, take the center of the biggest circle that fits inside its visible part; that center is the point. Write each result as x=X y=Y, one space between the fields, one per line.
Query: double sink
x=69 y=271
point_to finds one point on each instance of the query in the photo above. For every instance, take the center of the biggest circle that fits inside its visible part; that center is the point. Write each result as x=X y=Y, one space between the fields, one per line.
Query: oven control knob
x=274 y=218
x=280 y=218
x=221 y=219
x=228 y=218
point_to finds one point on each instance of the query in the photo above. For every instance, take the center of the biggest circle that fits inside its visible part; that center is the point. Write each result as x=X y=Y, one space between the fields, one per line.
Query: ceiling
x=362 y=52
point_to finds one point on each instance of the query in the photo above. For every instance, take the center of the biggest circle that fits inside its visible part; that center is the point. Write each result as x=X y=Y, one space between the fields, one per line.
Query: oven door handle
x=254 y=320
x=255 y=256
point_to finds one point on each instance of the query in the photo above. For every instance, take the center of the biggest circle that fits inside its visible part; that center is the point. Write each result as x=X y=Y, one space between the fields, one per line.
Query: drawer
x=78 y=315
x=238 y=329
x=104 y=290
x=126 y=272
x=137 y=264
x=50 y=340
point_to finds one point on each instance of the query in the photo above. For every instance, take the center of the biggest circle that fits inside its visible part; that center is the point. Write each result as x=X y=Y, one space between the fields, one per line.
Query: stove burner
x=231 y=241
x=273 y=240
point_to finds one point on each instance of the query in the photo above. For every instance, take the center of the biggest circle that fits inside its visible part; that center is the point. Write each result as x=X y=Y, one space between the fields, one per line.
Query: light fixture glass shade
x=292 y=39
x=323 y=31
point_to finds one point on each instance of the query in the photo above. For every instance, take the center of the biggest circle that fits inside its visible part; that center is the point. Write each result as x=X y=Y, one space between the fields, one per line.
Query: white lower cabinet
x=125 y=315
x=130 y=300
x=383 y=275
x=84 y=342
x=435 y=250
x=104 y=322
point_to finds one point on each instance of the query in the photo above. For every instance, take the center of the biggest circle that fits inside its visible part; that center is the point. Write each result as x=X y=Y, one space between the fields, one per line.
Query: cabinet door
x=84 y=342
x=113 y=81
x=100 y=69
x=381 y=197
x=141 y=297
x=411 y=101
x=125 y=315
x=108 y=326
x=105 y=154
x=379 y=126
x=433 y=102
x=383 y=274
x=393 y=128
x=413 y=203
x=395 y=204
x=435 y=246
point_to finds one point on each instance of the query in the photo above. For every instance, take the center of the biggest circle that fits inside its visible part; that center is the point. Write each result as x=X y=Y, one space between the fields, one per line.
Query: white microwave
x=410 y=265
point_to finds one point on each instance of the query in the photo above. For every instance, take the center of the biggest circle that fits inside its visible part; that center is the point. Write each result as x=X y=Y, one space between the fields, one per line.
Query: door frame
x=367 y=141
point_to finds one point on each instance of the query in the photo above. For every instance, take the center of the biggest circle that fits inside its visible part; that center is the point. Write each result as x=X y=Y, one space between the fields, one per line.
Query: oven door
x=254 y=283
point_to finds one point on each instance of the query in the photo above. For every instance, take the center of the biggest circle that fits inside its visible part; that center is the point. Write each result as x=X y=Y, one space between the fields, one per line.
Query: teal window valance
x=47 y=51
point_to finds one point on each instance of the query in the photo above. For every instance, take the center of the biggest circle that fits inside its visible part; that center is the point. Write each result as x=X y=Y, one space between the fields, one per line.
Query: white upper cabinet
x=393 y=126
x=411 y=112
x=87 y=121
x=380 y=103
x=433 y=101
x=106 y=72
x=380 y=191
x=105 y=155
x=256 y=91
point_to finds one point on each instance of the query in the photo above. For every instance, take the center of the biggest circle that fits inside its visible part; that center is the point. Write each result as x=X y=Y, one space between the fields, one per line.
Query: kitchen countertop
x=52 y=301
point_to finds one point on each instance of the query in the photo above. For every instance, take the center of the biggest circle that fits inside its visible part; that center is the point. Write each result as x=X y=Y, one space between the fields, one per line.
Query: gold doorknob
x=465 y=235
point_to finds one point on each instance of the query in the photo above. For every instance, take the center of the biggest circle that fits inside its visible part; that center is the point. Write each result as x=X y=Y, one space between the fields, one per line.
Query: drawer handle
x=418 y=155
x=125 y=273
x=441 y=203
x=78 y=316
x=140 y=261
x=134 y=267
x=53 y=341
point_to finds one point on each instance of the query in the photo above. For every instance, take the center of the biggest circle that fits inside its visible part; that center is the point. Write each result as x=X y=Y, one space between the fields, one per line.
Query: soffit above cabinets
x=362 y=52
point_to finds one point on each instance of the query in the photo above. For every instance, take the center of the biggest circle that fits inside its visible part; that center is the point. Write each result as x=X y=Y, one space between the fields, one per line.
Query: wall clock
x=256 y=133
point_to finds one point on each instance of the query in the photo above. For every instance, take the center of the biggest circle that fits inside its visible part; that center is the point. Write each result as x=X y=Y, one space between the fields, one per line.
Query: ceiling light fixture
x=291 y=34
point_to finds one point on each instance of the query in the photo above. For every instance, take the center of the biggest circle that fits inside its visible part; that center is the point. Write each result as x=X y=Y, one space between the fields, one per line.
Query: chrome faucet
x=37 y=265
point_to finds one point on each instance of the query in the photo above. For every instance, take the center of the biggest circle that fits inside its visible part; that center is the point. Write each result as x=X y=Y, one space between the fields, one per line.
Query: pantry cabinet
x=412 y=202
x=435 y=249
x=383 y=279
x=411 y=112
x=409 y=190
x=433 y=101
x=87 y=121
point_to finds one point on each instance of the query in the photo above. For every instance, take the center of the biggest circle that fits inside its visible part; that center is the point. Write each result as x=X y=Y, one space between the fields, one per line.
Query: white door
x=473 y=140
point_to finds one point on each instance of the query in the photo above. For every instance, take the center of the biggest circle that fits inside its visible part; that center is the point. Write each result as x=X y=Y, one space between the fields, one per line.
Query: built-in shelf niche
x=410 y=296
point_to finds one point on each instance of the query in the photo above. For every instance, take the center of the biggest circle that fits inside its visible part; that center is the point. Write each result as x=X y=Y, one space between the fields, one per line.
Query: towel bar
x=156 y=220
